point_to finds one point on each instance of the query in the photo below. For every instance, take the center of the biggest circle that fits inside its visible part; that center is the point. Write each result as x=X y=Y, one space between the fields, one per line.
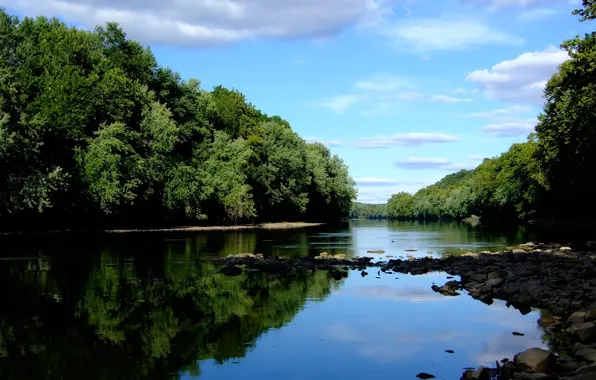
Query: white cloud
x=536 y=14
x=476 y=157
x=440 y=34
x=384 y=182
x=521 y=79
x=405 y=139
x=424 y=163
x=501 y=112
x=380 y=93
x=211 y=22
x=330 y=143
x=510 y=129
x=384 y=82
x=340 y=103
x=501 y=4
x=448 y=99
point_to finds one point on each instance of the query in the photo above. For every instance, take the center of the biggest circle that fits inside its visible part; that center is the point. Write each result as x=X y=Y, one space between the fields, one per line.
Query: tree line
x=368 y=211
x=548 y=176
x=93 y=131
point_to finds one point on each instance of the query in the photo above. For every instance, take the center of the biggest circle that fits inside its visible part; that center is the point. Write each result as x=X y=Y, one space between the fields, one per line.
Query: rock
x=424 y=375
x=585 y=376
x=585 y=332
x=494 y=282
x=482 y=373
x=537 y=359
x=563 y=249
x=568 y=367
x=586 y=353
x=230 y=270
x=586 y=369
x=363 y=273
x=518 y=333
x=450 y=351
x=590 y=314
x=576 y=318
x=517 y=250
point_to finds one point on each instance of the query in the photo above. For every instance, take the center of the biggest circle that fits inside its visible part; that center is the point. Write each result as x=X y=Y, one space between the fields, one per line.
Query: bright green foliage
x=505 y=186
x=92 y=129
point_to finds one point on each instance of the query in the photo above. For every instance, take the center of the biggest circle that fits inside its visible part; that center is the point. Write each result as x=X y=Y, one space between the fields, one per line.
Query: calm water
x=143 y=307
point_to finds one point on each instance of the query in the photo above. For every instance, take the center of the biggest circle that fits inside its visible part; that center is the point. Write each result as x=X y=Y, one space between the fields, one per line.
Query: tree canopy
x=93 y=130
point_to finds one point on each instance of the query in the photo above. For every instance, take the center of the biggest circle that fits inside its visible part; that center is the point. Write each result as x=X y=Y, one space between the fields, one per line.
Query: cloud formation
x=424 y=35
x=521 y=79
x=329 y=143
x=405 y=139
x=211 y=22
x=448 y=99
x=384 y=182
x=510 y=129
x=426 y=163
x=502 y=4
x=513 y=110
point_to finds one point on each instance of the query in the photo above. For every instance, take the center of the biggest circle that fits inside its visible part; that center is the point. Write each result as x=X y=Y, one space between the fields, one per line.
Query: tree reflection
x=137 y=319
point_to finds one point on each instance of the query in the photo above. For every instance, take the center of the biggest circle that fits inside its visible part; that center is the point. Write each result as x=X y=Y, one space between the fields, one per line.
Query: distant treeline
x=549 y=176
x=94 y=132
x=368 y=211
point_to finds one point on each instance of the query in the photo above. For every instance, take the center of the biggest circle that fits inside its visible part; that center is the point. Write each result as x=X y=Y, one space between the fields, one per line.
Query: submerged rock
x=424 y=375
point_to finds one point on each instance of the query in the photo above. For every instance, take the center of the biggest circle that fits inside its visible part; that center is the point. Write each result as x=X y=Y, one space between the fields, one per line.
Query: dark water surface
x=141 y=306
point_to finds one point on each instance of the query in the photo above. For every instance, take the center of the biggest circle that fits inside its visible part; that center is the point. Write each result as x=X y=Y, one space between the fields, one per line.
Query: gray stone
x=481 y=373
x=494 y=281
x=568 y=367
x=586 y=369
x=585 y=332
x=576 y=318
x=537 y=359
x=587 y=354
x=585 y=376
x=590 y=314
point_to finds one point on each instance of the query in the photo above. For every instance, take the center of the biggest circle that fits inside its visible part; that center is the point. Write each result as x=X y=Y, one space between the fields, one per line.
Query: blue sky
x=405 y=91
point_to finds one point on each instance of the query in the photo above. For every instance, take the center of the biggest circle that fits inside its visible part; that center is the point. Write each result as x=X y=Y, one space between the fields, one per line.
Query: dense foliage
x=368 y=211
x=93 y=130
x=550 y=175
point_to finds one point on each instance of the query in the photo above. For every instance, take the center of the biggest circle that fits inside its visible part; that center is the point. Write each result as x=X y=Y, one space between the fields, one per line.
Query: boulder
x=537 y=359
x=482 y=373
x=591 y=314
x=585 y=332
x=577 y=318
x=494 y=282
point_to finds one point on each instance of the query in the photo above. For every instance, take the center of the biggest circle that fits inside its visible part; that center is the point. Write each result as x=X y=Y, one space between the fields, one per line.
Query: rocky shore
x=553 y=277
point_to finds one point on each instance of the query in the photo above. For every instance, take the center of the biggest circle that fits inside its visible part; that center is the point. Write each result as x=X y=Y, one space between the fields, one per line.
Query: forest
x=548 y=176
x=368 y=211
x=94 y=132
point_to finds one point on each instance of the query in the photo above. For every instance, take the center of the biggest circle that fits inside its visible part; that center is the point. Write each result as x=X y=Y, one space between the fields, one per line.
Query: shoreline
x=555 y=278
x=241 y=227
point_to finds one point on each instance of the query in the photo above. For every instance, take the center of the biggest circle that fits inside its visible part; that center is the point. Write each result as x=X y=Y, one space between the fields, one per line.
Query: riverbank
x=262 y=226
x=554 y=277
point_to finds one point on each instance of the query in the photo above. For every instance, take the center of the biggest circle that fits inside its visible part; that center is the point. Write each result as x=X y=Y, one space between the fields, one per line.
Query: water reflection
x=145 y=307
x=117 y=320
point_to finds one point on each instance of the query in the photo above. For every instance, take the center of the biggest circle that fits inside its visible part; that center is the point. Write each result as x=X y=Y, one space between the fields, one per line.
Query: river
x=142 y=306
